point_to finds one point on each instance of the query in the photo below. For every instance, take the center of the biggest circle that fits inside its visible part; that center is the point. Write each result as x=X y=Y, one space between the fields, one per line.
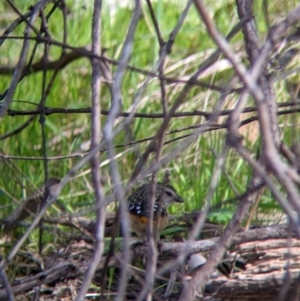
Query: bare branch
x=95 y=161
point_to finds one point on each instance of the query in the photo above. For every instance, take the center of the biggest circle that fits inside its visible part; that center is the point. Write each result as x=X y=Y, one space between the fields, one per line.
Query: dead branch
x=58 y=273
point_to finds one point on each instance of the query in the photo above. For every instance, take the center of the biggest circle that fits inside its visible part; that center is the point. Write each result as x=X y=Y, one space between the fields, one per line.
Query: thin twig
x=109 y=136
x=19 y=68
x=95 y=160
x=6 y=284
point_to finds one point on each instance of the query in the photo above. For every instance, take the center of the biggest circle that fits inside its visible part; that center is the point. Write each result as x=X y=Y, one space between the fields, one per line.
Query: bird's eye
x=169 y=193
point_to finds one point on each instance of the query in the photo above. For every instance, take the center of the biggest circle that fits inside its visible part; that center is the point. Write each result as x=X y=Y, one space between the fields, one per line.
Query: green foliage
x=67 y=134
x=220 y=216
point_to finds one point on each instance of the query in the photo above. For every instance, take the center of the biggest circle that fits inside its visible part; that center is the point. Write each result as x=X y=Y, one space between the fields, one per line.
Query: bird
x=138 y=207
x=33 y=203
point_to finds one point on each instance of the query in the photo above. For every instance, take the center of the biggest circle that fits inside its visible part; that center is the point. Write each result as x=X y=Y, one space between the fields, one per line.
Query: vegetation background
x=63 y=134
x=67 y=134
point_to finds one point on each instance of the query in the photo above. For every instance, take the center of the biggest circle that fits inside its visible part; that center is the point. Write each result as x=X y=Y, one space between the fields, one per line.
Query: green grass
x=191 y=171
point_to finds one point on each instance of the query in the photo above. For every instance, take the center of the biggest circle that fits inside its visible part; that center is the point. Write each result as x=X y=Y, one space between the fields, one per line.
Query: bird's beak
x=179 y=199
